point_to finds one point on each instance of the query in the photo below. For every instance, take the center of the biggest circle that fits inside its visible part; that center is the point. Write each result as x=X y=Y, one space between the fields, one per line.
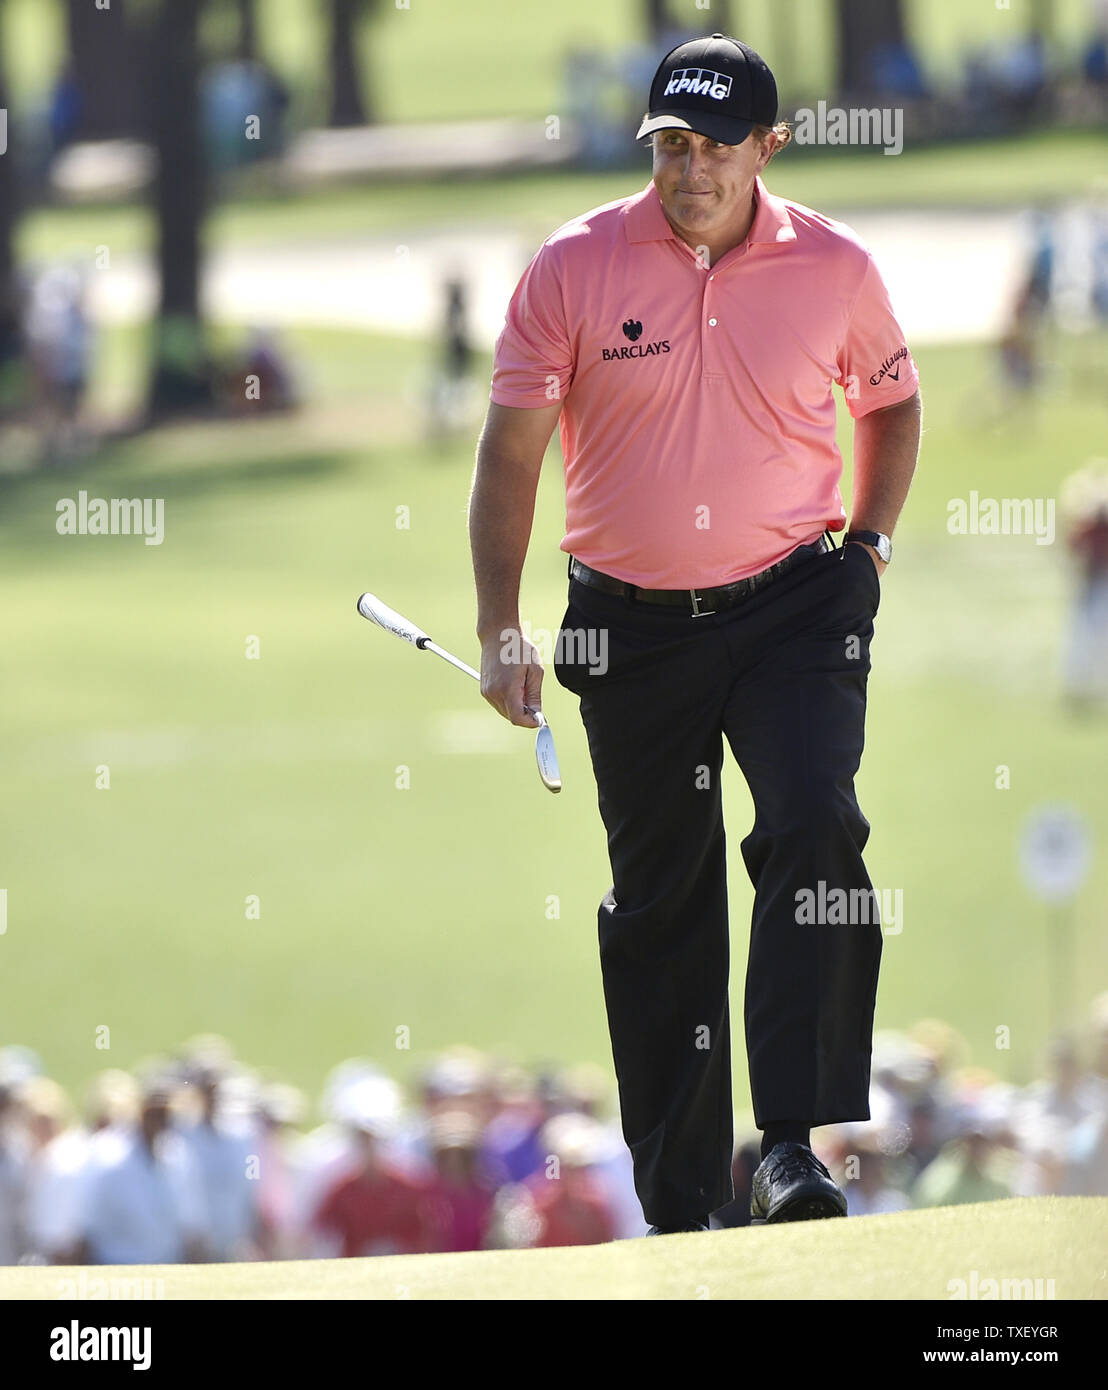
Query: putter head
x=546 y=755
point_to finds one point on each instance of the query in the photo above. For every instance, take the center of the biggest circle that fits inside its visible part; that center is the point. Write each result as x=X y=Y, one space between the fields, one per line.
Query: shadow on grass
x=28 y=501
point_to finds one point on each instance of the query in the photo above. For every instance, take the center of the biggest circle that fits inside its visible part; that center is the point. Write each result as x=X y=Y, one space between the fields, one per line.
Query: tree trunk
x=348 y=102
x=658 y=20
x=861 y=27
x=100 y=60
x=1042 y=19
x=181 y=377
x=248 y=29
x=783 y=27
x=720 y=19
x=10 y=309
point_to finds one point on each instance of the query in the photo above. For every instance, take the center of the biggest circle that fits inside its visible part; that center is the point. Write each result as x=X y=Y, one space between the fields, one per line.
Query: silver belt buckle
x=697 y=611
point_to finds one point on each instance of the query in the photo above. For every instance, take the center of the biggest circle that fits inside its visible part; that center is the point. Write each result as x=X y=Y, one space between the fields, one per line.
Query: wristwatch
x=880 y=543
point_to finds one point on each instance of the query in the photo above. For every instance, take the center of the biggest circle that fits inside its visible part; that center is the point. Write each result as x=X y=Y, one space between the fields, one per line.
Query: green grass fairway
x=913 y=1255
x=464 y=908
x=1042 y=168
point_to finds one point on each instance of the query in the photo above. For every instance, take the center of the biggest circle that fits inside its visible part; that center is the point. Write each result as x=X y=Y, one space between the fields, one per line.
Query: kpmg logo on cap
x=701 y=82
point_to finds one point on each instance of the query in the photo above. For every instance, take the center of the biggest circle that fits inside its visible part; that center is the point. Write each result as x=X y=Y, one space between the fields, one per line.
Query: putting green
x=1044 y=1247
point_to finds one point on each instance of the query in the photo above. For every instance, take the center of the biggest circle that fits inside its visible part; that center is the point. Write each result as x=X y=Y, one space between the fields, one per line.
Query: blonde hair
x=783 y=131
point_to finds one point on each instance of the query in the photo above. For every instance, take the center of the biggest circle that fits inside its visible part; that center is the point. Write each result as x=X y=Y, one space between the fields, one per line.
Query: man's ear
x=767 y=149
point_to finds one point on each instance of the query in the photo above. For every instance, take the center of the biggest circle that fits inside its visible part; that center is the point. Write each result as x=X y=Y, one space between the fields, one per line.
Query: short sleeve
x=875 y=367
x=533 y=362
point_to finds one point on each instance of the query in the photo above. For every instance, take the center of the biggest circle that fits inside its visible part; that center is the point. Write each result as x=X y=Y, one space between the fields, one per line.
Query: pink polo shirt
x=698 y=423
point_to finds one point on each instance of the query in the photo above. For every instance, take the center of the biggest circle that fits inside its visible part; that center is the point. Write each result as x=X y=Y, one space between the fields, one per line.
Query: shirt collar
x=645 y=220
x=772 y=222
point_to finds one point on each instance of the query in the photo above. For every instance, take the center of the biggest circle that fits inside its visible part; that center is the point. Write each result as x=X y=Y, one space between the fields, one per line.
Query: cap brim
x=723 y=128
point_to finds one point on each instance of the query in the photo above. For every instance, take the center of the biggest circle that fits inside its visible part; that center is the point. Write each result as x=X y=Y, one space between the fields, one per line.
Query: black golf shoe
x=791 y=1184
x=677 y=1230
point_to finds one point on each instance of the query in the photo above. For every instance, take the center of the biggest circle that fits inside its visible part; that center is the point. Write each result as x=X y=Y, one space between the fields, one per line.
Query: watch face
x=884 y=548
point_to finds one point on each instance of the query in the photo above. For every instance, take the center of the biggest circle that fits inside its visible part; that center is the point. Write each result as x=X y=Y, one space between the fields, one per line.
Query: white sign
x=1055 y=852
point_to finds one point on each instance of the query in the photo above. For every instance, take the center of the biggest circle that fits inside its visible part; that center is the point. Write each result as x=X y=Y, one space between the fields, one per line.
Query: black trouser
x=783 y=676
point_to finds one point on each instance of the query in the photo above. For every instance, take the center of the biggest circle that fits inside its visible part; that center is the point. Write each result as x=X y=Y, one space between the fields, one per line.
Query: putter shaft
x=546 y=756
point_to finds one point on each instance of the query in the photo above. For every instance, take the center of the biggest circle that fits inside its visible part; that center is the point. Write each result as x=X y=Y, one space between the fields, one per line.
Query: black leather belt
x=699 y=602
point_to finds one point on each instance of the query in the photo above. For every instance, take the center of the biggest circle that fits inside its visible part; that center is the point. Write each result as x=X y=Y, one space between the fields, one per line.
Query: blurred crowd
x=45 y=380
x=943 y=1134
x=195 y=1158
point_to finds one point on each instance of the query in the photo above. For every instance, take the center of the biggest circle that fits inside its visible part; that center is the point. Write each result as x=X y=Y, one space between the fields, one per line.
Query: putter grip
x=371 y=607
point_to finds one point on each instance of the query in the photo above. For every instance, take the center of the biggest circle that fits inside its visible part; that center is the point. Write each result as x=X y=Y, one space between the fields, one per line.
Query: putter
x=546 y=756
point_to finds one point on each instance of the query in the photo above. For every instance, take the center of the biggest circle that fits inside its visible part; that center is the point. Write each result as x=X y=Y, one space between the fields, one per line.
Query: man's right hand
x=511 y=676
x=501 y=511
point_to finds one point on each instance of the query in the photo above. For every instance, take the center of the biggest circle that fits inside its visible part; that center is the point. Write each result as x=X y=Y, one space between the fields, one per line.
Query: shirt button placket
x=710 y=353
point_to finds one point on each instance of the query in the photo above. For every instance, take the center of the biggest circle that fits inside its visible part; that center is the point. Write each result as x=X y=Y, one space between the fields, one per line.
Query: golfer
x=686 y=341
